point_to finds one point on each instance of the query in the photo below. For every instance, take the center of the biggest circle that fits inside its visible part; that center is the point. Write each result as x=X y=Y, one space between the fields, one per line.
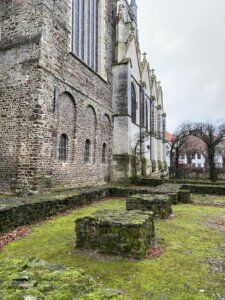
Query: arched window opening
x=133 y=104
x=87 y=151
x=63 y=148
x=104 y=153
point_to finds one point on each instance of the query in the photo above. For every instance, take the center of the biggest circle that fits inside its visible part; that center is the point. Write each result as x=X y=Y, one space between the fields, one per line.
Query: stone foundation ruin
x=114 y=232
x=159 y=204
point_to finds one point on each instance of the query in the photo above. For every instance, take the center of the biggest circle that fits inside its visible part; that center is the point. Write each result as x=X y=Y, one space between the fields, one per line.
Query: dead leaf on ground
x=153 y=252
x=14 y=235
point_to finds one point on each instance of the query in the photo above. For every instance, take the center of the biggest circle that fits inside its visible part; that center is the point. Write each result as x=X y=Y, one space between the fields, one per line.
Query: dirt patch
x=216 y=264
x=217 y=224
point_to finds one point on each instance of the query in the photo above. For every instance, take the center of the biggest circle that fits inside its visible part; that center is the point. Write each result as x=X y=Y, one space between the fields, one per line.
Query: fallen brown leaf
x=14 y=235
x=153 y=252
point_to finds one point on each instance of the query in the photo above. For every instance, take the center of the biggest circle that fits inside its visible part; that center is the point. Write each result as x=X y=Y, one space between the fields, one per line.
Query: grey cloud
x=185 y=41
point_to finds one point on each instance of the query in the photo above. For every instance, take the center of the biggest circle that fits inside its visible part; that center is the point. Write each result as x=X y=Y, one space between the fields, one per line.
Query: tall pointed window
x=85 y=31
x=164 y=129
x=146 y=116
x=133 y=103
x=159 y=124
x=152 y=129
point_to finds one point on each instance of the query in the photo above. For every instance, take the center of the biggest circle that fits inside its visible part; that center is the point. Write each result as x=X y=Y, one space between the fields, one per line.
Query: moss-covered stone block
x=159 y=204
x=173 y=197
x=113 y=232
x=184 y=196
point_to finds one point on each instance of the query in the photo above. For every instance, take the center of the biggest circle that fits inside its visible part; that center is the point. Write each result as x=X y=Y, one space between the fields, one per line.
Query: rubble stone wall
x=45 y=90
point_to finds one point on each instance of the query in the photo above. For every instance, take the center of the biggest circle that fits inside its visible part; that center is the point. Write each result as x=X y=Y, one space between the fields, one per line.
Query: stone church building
x=76 y=95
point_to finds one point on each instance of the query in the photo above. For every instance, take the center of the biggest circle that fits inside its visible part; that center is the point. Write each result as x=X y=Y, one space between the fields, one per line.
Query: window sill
x=103 y=78
x=88 y=163
x=64 y=163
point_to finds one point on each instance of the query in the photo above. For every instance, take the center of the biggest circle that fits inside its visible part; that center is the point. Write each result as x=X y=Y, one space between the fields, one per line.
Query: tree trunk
x=212 y=167
x=189 y=159
x=223 y=157
x=176 y=160
x=171 y=162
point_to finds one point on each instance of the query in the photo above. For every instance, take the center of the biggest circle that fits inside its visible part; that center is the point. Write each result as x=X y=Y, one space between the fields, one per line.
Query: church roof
x=169 y=137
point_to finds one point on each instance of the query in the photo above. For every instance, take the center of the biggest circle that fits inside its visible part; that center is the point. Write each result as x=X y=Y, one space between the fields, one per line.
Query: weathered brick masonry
x=46 y=91
x=75 y=95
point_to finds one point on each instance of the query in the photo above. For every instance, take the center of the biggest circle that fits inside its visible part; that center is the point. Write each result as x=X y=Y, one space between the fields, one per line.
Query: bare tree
x=176 y=143
x=193 y=145
x=212 y=136
x=220 y=150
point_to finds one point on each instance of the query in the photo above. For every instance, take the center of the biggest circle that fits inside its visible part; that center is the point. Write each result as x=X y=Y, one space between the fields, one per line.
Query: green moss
x=133 y=166
x=165 y=166
x=153 y=166
x=144 y=166
x=35 y=278
x=181 y=272
x=160 y=165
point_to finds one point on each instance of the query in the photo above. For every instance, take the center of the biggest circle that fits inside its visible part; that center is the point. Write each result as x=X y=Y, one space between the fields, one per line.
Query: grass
x=208 y=198
x=181 y=272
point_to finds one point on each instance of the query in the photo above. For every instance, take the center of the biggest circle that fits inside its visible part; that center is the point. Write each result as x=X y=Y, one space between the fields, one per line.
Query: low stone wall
x=205 y=189
x=193 y=182
x=159 y=204
x=116 y=232
x=146 y=181
x=128 y=191
x=21 y=212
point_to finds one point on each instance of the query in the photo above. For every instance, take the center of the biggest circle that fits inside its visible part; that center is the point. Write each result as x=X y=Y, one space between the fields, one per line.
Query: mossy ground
x=181 y=272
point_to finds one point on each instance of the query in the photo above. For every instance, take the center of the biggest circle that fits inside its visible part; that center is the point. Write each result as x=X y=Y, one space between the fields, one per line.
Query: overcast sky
x=185 y=42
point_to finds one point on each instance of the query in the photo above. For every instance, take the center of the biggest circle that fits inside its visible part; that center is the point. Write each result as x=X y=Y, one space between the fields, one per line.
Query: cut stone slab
x=115 y=232
x=159 y=204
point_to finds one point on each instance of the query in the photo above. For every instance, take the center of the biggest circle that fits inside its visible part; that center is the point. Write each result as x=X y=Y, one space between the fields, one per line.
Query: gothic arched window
x=87 y=151
x=146 y=116
x=85 y=20
x=133 y=103
x=63 y=147
x=104 y=153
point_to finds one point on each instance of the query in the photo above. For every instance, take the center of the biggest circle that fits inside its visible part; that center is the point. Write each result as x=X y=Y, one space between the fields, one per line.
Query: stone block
x=184 y=196
x=173 y=197
x=159 y=204
x=113 y=232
